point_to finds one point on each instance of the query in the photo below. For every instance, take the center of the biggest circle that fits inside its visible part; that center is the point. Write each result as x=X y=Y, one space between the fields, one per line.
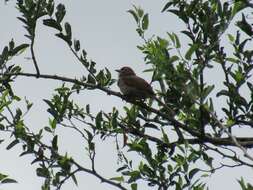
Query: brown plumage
x=133 y=86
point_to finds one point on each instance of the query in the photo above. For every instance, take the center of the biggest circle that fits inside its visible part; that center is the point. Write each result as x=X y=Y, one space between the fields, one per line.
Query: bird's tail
x=171 y=112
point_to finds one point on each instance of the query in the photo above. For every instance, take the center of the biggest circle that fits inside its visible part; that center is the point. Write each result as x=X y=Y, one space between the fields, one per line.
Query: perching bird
x=133 y=86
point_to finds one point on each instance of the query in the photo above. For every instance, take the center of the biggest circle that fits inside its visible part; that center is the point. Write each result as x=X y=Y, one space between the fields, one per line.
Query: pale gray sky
x=107 y=32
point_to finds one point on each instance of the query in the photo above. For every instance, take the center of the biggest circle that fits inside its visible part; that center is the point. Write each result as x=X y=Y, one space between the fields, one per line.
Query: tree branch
x=244 y=142
x=233 y=138
x=33 y=39
x=109 y=92
x=103 y=180
x=34 y=59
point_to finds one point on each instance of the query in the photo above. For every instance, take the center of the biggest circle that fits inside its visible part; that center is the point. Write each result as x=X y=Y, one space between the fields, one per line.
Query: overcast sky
x=107 y=32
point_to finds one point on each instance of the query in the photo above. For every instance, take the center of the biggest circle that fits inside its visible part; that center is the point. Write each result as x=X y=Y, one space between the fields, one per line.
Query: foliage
x=245 y=186
x=5 y=179
x=179 y=70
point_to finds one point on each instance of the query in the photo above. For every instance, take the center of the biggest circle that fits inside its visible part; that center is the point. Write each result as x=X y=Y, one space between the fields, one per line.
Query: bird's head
x=125 y=71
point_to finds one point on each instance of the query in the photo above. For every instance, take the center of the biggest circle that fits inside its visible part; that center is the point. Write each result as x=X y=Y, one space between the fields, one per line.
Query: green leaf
x=50 y=104
x=22 y=20
x=134 y=15
x=42 y=172
x=55 y=143
x=169 y=168
x=65 y=38
x=98 y=120
x=2 y=176
x=19 y=48
x=139 y=31
x=74 y=179
x=28 y=104
x=53 y=123
x=11 y=44
x=77 y=45
x=191 y=50
x=187 y=33
x=145 y=22
x=91 y=79
x=12 y=144
x=48 y=129
x=8 y=180
x=5 y=53
x=242 y=184
x=134 y=186
x=50 y=8
x=2 y=127
x=139 y=11
x=87 y=108
x=134 y=175
x=52 y=23
x=222 y=93
x=16 y=97
x=68 y=30
x=231 y=38
x=167 y=6
x=100 y=77
x=121 y=168
x=118 y=179
x=60 y=13
x=173 y=59
x=193 y=172
x=174 y=38
x=178 y=45
x=207 y=91
x=114 y=121
x=245 y=26
x=165 y=137
x=238 y=6
x=232 y=60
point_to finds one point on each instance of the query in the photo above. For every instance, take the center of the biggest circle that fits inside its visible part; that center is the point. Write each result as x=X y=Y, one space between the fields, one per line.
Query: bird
x=133 y=86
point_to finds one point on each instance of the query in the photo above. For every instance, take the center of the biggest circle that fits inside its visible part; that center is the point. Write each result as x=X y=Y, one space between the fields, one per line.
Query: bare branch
x=103 y=180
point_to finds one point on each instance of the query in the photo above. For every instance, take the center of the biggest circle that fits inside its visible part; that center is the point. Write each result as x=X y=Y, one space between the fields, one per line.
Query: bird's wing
x=139 y=83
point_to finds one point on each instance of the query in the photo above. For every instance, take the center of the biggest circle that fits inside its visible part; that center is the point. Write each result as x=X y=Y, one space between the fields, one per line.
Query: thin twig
x=75 y=128
x=103 y=180
x=81 y=61
x=66 y=178
x=246 y=154
x=34 y=59
x=32 y=41
x=234 y=157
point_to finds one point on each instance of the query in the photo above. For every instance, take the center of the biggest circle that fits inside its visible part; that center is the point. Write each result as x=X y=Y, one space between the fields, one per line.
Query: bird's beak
x=117 y=70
